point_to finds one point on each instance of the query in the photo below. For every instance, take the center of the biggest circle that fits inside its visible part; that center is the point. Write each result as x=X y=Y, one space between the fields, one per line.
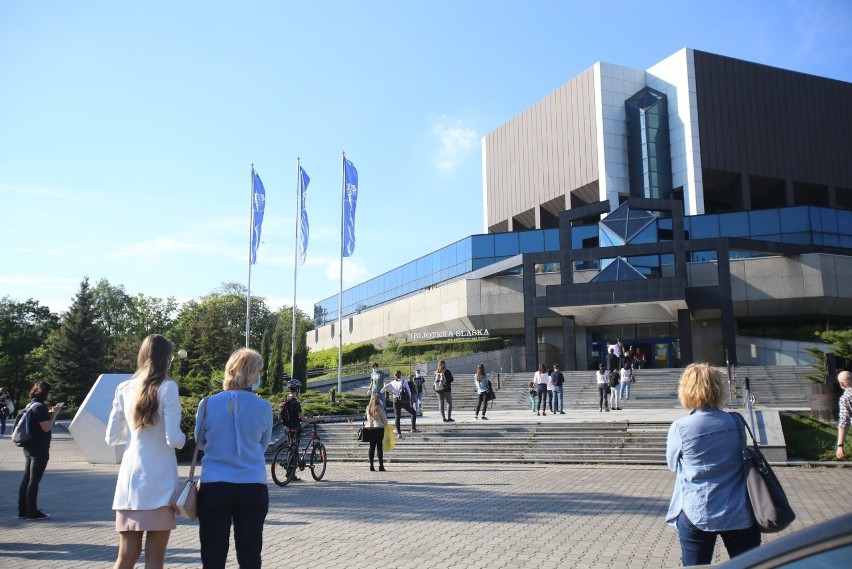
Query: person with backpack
x=40 y=421
x=145 y=416
x=419 y=391
x=291 y=415
x=402 y=397
x=443 y=387
x=558 y=390
x=481 y=384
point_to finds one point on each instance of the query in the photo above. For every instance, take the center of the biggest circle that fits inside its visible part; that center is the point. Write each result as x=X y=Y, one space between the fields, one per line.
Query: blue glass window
x=551 y=240
x=794 y=219
x=584 y=237
x=483 y=246
x=829 y=220
x=764 y=222
x=704 y=227
x=734 y=224
x=506 y=244
x=531 y=241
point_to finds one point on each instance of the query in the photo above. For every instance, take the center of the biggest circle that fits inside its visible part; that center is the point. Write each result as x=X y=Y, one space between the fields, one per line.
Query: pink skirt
x=161 y=519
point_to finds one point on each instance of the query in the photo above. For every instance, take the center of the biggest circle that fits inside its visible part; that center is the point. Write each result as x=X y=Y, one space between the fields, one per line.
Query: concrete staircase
x=528 y=439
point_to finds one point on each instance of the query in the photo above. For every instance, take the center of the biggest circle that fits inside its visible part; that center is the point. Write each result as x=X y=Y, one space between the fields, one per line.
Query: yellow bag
x=388 y=442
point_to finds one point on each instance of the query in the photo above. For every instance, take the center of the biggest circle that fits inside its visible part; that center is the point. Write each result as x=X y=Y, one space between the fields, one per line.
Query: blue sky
x=127 y=129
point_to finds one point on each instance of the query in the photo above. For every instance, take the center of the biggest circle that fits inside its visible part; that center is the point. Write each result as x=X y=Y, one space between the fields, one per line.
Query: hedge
x=352 y=354
x=450 y=346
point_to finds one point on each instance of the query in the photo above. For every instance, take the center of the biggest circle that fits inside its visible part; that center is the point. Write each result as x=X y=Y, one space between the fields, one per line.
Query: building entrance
x=659 y=351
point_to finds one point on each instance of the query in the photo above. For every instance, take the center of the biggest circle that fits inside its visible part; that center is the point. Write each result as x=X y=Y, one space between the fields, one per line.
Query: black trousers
x=399 y=406
x=36 y=463
x=603 y=389
x=221 y=504
x=376 y=448
x=482 y=402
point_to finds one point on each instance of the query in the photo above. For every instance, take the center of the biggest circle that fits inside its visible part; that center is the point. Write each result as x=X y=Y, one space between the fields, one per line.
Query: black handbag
x=769 y=504
x=362 y=433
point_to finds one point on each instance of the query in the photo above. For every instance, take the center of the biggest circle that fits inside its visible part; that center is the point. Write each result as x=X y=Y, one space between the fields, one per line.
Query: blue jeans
x=624 y=389
x=696 y=546
x=558 y=399
x=541 y=391
x=219 y=505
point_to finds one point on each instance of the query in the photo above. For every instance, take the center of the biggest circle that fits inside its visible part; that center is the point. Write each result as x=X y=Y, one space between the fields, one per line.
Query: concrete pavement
x=423 y=515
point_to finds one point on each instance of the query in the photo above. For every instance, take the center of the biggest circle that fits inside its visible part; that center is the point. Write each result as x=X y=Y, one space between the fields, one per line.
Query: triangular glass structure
x=626 y=223
x=618 y=270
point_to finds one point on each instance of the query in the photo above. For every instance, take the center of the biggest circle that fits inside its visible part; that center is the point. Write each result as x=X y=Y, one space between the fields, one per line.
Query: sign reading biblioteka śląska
x=449 y=334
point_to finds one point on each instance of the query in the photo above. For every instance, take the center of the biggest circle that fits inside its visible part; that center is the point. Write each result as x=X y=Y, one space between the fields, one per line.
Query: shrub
x=353 y=353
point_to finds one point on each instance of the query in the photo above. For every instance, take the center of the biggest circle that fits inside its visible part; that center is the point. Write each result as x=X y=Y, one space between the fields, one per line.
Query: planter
x=824 y=398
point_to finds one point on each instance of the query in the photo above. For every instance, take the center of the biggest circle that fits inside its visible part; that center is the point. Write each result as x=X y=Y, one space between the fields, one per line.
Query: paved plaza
x=413 y=516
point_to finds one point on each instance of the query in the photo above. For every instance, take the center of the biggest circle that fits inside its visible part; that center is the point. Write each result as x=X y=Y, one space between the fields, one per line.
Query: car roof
x=825 y=536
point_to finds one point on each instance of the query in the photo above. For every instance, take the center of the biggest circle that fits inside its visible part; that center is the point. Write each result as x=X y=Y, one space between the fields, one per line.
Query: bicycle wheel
x=284 y=466
x=318 y=460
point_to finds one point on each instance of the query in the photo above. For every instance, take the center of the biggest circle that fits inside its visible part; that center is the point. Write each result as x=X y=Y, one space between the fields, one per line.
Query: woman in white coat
x=146 y=416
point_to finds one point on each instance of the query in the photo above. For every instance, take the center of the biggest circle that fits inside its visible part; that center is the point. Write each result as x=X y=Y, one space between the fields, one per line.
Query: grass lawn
x=809 y=439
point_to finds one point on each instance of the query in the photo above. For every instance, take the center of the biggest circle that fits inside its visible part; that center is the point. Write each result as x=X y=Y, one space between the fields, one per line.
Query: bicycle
x=287 y=459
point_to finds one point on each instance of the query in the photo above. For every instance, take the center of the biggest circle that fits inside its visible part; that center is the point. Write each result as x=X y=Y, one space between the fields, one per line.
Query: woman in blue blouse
x=234 y=428
x=704 y=451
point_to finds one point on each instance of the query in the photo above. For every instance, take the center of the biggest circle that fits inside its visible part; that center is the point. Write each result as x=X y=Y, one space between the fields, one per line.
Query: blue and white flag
x=303 y=228
x=350 y=197
x=258 y=203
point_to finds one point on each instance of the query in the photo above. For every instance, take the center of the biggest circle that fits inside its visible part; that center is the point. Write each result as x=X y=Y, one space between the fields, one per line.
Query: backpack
x=22 y=433
x=404 y=395
x=288 y=413
x=418 y=384
x=614 y=377
x=440 y=382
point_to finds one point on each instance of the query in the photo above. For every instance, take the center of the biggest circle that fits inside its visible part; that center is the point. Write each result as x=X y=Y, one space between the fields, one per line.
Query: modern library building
x=699 y=210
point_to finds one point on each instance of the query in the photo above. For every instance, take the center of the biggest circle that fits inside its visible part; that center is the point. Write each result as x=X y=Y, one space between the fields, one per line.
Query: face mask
x=256 y=385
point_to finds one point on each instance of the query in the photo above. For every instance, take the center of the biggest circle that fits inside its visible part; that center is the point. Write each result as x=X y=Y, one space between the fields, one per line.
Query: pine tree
x=75 y=354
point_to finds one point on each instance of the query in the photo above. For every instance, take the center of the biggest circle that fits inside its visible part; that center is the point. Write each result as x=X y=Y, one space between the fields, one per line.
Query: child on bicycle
x=291 y=415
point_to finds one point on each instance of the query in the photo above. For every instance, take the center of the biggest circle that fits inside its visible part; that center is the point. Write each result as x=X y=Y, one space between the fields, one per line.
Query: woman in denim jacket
x=703 y=449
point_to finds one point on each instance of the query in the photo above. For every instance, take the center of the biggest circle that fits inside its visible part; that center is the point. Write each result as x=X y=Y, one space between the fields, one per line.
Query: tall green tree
x=211 y=328
x=24 y=328
x=76 y=351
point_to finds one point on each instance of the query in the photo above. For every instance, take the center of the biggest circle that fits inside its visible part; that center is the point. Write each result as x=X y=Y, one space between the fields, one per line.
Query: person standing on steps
x=540 y=380
x=558 y=392
x=480 y=382
x=377 y=383
x=401 y=391
x=603 y=388
x=627 y=378
x=376 y=419
x=419 y=392
x=443 y=387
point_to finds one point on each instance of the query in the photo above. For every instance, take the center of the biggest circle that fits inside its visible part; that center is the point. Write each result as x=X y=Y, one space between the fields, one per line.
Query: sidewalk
x=451 y=515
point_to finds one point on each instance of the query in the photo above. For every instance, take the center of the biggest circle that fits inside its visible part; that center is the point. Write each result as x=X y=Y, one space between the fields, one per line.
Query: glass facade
x=648 y=145
x=469 y=254
x=806 y=225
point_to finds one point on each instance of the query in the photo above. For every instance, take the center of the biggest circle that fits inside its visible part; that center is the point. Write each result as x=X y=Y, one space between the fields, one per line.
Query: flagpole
x=251 y=230
x=296 y=267
x=340 y=293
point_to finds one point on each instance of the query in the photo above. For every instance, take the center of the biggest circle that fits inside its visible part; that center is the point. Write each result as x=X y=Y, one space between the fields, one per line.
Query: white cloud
x=456 y=140
x=352 y=271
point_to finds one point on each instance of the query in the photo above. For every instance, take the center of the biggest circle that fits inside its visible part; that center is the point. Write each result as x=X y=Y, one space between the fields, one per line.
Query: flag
x=303 y=229
x=350 y=196
x=258 y=203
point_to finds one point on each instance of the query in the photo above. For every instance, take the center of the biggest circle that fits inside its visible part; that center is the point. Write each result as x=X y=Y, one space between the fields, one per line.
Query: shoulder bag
x=185 y=501
x=772 y=511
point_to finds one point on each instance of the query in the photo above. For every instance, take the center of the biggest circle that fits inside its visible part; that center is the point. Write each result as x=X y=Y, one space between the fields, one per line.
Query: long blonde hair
x=152 y=367
x=373 y=406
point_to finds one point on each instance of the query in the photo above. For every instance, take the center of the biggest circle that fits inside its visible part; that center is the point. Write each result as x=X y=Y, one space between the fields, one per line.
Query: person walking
x=443 y=387
x=480 y=382
x=603 y=388
x=540 y=379
x=703 y=449
x=550 y=390
x=36 y=450
x=375 y=421
x=5 y=398
x=557 y=379
x=233 y=428
x=625 y=381
x=377 y=383
x=613 y=377
x=402 y=396
x=145 y=417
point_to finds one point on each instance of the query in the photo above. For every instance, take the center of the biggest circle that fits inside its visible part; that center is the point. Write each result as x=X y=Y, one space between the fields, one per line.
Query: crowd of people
x=703 y=450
